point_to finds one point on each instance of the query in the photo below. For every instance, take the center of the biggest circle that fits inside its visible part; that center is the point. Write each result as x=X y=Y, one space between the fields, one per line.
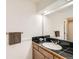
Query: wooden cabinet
x=56 y=57
x=38 y=55
x=40 y=52
x=45 y=58
x=48 y=55
x=35 y=46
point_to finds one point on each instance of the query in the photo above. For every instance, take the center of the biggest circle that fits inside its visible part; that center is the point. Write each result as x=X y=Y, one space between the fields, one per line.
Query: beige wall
x=21 y=17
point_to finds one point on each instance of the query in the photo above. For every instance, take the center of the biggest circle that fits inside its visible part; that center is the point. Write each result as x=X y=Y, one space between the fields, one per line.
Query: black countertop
x=67 y=50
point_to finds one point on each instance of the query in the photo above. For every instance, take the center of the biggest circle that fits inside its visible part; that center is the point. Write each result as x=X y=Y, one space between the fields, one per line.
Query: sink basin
x=52 y=46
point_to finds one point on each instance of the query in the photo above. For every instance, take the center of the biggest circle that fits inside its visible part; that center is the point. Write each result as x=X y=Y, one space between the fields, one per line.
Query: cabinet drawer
x=35 y=46
x=47 y=54
x=38 y=55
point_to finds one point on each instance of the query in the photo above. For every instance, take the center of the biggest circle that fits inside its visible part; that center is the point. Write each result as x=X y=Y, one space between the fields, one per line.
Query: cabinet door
x=46 y=58
x=37 y=55
x=56 y=57
x=47 y=54
x=32 y=53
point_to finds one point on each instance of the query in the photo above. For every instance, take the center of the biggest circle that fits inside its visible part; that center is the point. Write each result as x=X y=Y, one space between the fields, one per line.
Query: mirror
x=59 y=24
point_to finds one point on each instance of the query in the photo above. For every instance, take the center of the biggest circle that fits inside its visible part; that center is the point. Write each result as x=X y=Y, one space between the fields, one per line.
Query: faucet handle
x=41 y=39
x=58 y=41
x=44 y=39
x=51 y=41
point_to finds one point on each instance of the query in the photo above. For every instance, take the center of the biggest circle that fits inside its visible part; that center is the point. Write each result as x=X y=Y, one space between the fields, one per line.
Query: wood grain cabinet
x=38 y=55
x=47 y=54
x=45 y=58
x=42 y=53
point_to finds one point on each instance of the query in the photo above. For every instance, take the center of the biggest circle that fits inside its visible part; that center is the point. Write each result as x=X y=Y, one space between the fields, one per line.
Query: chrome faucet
x=41 y=39
x=44 y=39
x=56 y=42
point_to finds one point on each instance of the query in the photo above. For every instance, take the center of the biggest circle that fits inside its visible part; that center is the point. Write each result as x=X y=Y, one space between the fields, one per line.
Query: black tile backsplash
x=36 y=39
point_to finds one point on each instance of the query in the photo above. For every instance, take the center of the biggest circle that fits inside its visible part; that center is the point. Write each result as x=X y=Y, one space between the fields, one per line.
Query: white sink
x=52 y=46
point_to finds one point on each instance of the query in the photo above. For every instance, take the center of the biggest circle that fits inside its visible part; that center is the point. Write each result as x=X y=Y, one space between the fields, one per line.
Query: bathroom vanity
x=42 y=52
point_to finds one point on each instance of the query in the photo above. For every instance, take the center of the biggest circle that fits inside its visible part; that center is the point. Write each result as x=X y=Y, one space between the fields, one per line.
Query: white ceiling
x=40 y=1
x=49 y=4
x=40 y=4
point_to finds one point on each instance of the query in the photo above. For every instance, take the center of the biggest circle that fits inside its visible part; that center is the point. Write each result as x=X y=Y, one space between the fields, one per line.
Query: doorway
x=68 y=29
